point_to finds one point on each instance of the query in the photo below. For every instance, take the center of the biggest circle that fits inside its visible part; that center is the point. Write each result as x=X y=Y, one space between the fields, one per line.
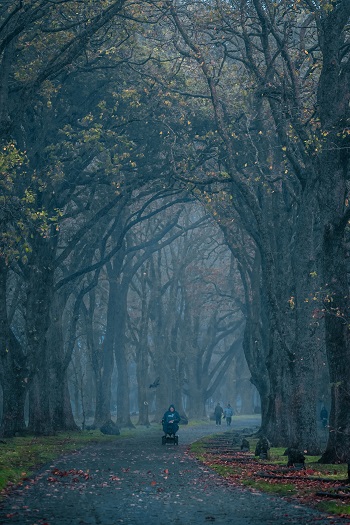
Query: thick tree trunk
x=177 y=379
x=39 y=280
x=103 y=398
x=196 y=403
x=255 y=342
x=197 y=384
x=306 y=347
x=60 y=405
x=6 y=64
x=162 y=397
x=287 y=264
x=104 y=378
x=123 y=402
x=333 y=98
x=254 y=353
x=144 y=393
x=162 y=401
x=291 y=417
x=62 y=415
x=39 y=411
x=143 y=390
x=160 y=365
x=337 y=311
x=123 y=390
x=14 y=394
x=279 y=421
x=13 y=374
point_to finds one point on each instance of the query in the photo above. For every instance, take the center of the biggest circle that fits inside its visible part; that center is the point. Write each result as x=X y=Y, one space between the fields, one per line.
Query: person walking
x=218 y=414
x=228 y=413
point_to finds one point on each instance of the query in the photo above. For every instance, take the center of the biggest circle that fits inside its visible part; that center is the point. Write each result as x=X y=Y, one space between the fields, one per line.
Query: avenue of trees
x=174 y=191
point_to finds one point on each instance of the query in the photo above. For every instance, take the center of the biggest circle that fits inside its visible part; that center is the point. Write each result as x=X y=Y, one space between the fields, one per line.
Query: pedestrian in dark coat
x=218 y=414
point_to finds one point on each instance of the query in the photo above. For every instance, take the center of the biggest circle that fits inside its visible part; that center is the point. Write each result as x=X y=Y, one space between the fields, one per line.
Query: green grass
x=197 y=448
x=224 y=470
x=328 y=471
x=334 y=507
x=280 y=489
x=199 y=422
x=243 y=474
x=21 y=456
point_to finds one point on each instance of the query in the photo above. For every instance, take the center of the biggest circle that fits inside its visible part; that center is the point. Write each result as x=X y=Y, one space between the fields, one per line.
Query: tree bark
x=13 y=373
x=60 y=405
x=39 y=282
x=104 y=383
x=123 y=390
x=14 y=391
x=333 y=99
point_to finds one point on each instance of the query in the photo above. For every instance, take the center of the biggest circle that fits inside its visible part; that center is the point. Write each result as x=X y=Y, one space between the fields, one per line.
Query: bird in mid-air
x=155 y=383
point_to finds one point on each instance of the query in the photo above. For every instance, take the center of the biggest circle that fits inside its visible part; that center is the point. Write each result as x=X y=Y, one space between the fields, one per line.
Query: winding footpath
x=137 y=481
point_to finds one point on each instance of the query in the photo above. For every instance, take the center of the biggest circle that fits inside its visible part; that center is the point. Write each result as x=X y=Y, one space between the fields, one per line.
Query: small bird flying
x=155 y=383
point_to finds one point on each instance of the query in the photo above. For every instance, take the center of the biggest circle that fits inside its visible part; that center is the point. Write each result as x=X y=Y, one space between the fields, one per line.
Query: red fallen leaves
x=67 y=473
x=51 y=479
x=81 y=473
x=307 y=483
x=114 y=478
x=13 y=514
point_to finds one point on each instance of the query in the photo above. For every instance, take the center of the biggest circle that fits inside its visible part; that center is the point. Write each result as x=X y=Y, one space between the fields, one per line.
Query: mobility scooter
x=170 y=436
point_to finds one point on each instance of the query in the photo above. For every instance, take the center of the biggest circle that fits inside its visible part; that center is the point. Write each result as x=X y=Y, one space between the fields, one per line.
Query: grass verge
x=273 y=477
x=22 y=456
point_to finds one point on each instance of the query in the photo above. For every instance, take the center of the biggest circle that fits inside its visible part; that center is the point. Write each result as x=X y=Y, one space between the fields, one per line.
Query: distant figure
x=324 y=416
x=228 y=413
x=218 y=414
x=171 y=421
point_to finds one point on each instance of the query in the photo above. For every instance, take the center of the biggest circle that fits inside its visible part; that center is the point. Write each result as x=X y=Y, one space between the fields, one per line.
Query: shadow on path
x=137 y=481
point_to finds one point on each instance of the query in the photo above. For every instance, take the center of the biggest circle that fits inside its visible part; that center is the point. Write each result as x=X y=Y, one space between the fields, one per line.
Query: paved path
x=137 y=481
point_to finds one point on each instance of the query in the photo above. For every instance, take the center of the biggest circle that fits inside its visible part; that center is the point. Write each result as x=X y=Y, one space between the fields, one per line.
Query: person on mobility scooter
x=170 y=422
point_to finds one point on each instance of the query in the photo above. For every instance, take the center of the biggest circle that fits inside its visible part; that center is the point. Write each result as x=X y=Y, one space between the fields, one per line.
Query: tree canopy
x=115 y=118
